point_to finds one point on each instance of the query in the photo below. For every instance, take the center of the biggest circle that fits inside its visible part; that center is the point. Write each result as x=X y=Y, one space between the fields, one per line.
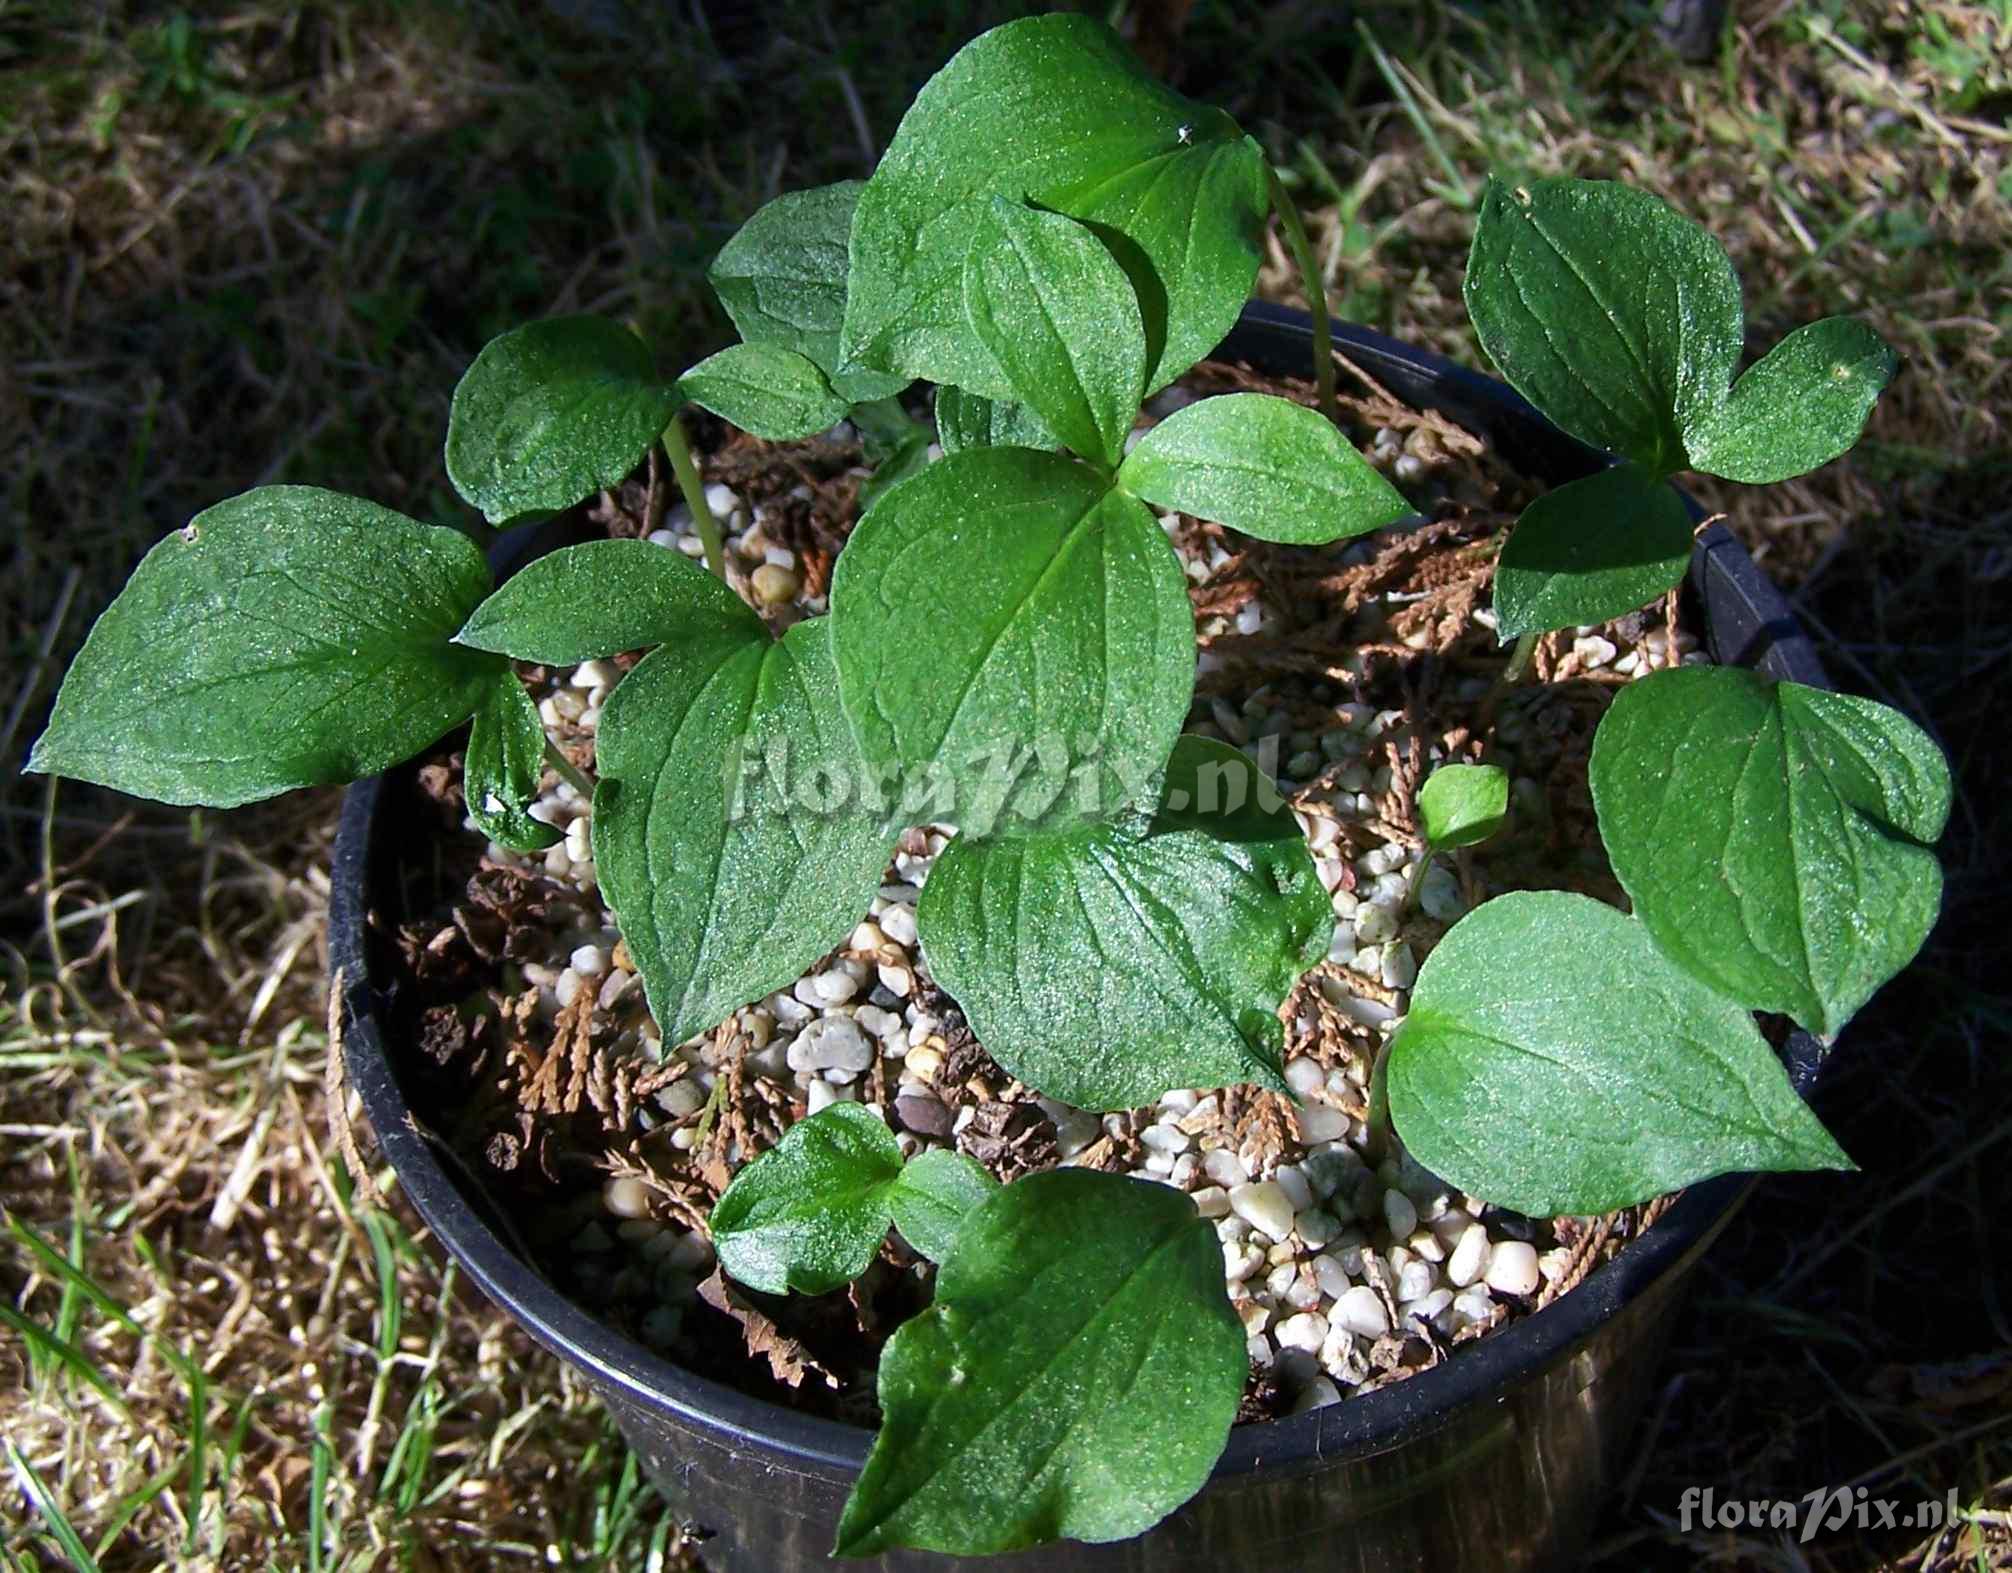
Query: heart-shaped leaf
x=552 y=412
x=1804 y=403
x=1460 y=805
x=287 y=637
x=1077 y=1375
x=1591 y=550
x=1107 y=964
x=736 y=834
x=585 y=603
x=500 y=771
x=765 y=390
x=1265 y=466
x=1053 y=110
x=966 y=420
x=1003 y=613
x=937 y=1190
x=1061 y=320
x=782 y=280
x=1774 y=838
x=1609 y=311
x=1554 y=1060
x=809 y=1214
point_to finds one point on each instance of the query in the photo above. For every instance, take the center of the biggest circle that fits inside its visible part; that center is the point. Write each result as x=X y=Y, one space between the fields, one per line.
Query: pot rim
x=1363 y=1424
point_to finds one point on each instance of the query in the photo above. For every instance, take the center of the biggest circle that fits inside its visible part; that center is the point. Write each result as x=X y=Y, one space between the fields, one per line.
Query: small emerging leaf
x=585 y=603
x=1804 y=403
x=1262 y=465
x=809 y=1214
x=765 y=390
x=505 y=758
x=1112 y=962
x=1061 y=320
x=1076 y=1375
x=965 y=420
x=782 y=280
x=1774 y=838
x=287 y=637
x=1460 y=805
x=1591 y=550
x=1554 y=1060
x=931 y=1199
x=552 y=412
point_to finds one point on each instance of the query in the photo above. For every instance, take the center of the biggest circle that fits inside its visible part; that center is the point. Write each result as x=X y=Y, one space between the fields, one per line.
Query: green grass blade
x=50 y=1350
x=52 y=1514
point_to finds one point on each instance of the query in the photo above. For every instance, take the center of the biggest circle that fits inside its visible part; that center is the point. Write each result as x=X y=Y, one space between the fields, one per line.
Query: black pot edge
x=1722 y=575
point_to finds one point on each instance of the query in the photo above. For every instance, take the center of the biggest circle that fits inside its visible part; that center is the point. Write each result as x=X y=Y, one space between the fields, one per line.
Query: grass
x=248 y=244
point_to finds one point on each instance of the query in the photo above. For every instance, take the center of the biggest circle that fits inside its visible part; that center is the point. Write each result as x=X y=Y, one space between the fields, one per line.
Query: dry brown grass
x=264 y=249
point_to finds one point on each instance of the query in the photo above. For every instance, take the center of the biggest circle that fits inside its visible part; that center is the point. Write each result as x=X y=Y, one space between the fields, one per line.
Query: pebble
x=1305 y=1077
x=682 y=1098
x=1320 y=1122
x=1439 y=894
x=1265 y=1208
x=1360 y=1310
x=822 y=1095
x=628 y=1197
x=1293 y=1183
x=1317 y=1394
x=590 y=961
x=898 y=924
x=834 y=987
x=774 y=586
x=1225 y=1168
x=1400 y=1214
x=832 y=1043
x=1328 y=1274
x=1512 y=1268
x=1469 y=1258
x=1307 y=1330
x=897 y=980
x=1375 y=923
x=1212 y=1201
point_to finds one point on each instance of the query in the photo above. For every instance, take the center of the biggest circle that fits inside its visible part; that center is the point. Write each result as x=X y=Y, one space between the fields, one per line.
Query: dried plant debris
x=1349 y=672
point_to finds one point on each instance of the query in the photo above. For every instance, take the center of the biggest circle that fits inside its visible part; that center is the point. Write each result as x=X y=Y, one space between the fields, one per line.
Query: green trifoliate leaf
x=1800 y=406
x=965 y=420
x=1772 y=837
x=1061 y=320
x=1014 y=641
x=1262 y=465
x=736 y=834
x=765 y=390
x=937 y=1189
x=1591 y=550
x=287 y=637
x=782 y=280
x=552 y=412
x=1076 y=1376
x=1106 y=964
x=584 y=603
x=1613 y=314
x=1053 y=110
x=505 y=757
x=1554 y=1060
x=1460 y=805
x=809 y=1214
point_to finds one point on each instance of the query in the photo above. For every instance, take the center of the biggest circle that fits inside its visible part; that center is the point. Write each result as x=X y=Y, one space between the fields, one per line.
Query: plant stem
x=1411 y=885
x=1519 y=658
x=1316 y=292
x=568 y=771
x=694 y=494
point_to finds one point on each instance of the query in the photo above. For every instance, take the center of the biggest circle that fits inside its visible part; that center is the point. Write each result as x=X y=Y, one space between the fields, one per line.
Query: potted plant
x=1051 y=239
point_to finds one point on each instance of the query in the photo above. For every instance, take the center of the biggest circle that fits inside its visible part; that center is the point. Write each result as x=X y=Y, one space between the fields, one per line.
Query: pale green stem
x=1519 y=658
x=1411 y=885
x=694 y=492
x=567 y=769
x=1316 y=292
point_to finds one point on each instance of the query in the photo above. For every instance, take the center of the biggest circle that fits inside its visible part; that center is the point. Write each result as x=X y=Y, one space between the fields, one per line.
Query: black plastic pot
x=1497 y=1458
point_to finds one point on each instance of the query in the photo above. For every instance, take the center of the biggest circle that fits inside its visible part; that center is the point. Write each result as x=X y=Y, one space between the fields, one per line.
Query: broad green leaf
x=552 y=412
x=1053 y=110
x=1554 y=1060
x=287 y=637
x=500 y=771
x=965 y=420
x=1076 y=1376
x=1613 y=314
x=937 y=1189
x=1262 y=465
x=809 y=1214
x=896 y=445
x=736 y=834
x=1591 y=550
x=1014 y=641
x=584 y=603
x=766 y=391
x=909 y=459
x=1804 y=403
x=782 y=280
x=1061 y=320
x=1460 y=805
x=1774 y=838
x=1106 y=964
